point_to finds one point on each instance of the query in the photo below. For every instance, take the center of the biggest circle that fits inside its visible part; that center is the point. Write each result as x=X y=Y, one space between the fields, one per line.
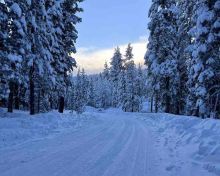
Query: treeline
x=183 y=57
x=37 y=39
x=122 y=84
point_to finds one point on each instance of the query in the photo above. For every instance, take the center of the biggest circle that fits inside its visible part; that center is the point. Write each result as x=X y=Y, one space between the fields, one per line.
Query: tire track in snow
x=49 y=160
x=116 y=146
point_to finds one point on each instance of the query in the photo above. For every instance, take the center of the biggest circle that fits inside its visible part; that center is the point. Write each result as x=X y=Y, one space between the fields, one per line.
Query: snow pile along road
x=187 y=145
x=20 y=127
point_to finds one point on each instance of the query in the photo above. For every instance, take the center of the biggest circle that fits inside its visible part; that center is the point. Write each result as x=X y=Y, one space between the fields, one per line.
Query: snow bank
x=189 y=137
x=20 y=127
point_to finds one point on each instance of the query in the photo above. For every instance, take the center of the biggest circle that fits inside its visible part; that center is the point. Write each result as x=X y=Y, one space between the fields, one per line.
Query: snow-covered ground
x=108 y=143
x=20 y=127
x=186 y=145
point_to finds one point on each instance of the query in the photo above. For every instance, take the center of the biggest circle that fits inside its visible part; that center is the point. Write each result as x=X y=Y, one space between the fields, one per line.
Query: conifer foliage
x=183 y=57
x=37 y=39
x=120 y=85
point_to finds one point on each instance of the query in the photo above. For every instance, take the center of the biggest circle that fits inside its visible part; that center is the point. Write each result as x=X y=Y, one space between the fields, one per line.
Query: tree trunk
x=196 y=112
x=61 y=104
x=17 y=99
x=167 y=97
x=156 y=103
x=11 y=97
x=216 y=105
x=177 y=108
x=38 y=101
x=51 y=102
x=32 y=98
x=151 y=103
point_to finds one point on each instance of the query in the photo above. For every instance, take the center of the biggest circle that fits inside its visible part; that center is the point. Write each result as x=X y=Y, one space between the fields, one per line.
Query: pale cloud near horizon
x=93 y=59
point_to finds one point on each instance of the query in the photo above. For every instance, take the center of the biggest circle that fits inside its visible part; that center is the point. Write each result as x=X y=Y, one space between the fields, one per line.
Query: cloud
x=93 y=59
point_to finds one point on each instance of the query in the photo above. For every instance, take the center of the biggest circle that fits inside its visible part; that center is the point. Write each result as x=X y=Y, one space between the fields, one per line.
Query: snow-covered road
x=116 y=145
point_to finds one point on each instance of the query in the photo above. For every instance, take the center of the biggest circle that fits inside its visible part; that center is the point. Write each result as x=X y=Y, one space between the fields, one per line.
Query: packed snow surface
x=108 y=143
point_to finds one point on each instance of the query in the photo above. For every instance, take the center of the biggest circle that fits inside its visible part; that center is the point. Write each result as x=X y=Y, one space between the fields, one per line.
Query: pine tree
x=63 y=20
x=16 y=50
x=161 y=57
x=79 y=100
x=103 y=92
x=131 y=101
x=4 y=36
x=106 y=71
x=128 y=54
x=122 y=86
x=184 y=24
x=115 y=72
x=91 y=93
x=204 y=71
x=38 y=53
x=140 y=82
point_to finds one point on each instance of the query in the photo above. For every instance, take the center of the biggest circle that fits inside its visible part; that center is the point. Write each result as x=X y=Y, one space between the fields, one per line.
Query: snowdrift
x=188 y=137
x=20 y=127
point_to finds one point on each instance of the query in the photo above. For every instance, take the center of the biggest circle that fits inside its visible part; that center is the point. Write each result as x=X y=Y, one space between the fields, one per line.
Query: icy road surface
x=115 y=144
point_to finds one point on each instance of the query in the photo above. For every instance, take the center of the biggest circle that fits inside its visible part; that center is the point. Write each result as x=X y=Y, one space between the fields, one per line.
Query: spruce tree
x=184 y=23
x=4 y=35
x=115 y=72
x=204 y=71
x=91 y=93
x=79 y=100
x=16 y=49
x=103 y=91
x=161 y=57
x=106 y=73
x=131 y=101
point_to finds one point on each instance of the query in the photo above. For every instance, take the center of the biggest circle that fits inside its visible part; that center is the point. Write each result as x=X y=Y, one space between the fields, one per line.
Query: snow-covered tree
x=106 y=73
x=161 y=57
x=140 y=81
x=103 y=91
x=79 y=98
x=63 y=19
x=16 y=48
x=131 y=100
x=184 y=24
x=115 y=72
x=91 y=93
x=40 y=37
x=205 y=65
x=122 y=86
x=128 y=53
x=4 y=36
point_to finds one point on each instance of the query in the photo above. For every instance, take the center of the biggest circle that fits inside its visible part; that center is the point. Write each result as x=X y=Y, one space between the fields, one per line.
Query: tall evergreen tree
x=79 y=100
x=161 y=57
x=204 y=72
x=91 y=93
x=184 y=24
x=16 y=50
x=106 y=73
x=140 y=81
x=103 y=93
x=4 y=36
x=131 y=101
x=115 y=72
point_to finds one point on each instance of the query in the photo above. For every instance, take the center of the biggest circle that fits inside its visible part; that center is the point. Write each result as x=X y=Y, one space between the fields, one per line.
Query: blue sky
x=107 y=24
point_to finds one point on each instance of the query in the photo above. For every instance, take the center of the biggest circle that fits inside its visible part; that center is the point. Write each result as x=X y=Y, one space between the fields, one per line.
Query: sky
x=108 y=24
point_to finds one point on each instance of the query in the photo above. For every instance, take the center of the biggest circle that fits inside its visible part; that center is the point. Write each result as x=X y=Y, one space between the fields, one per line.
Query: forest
x=83 y=92
x=182 y=74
